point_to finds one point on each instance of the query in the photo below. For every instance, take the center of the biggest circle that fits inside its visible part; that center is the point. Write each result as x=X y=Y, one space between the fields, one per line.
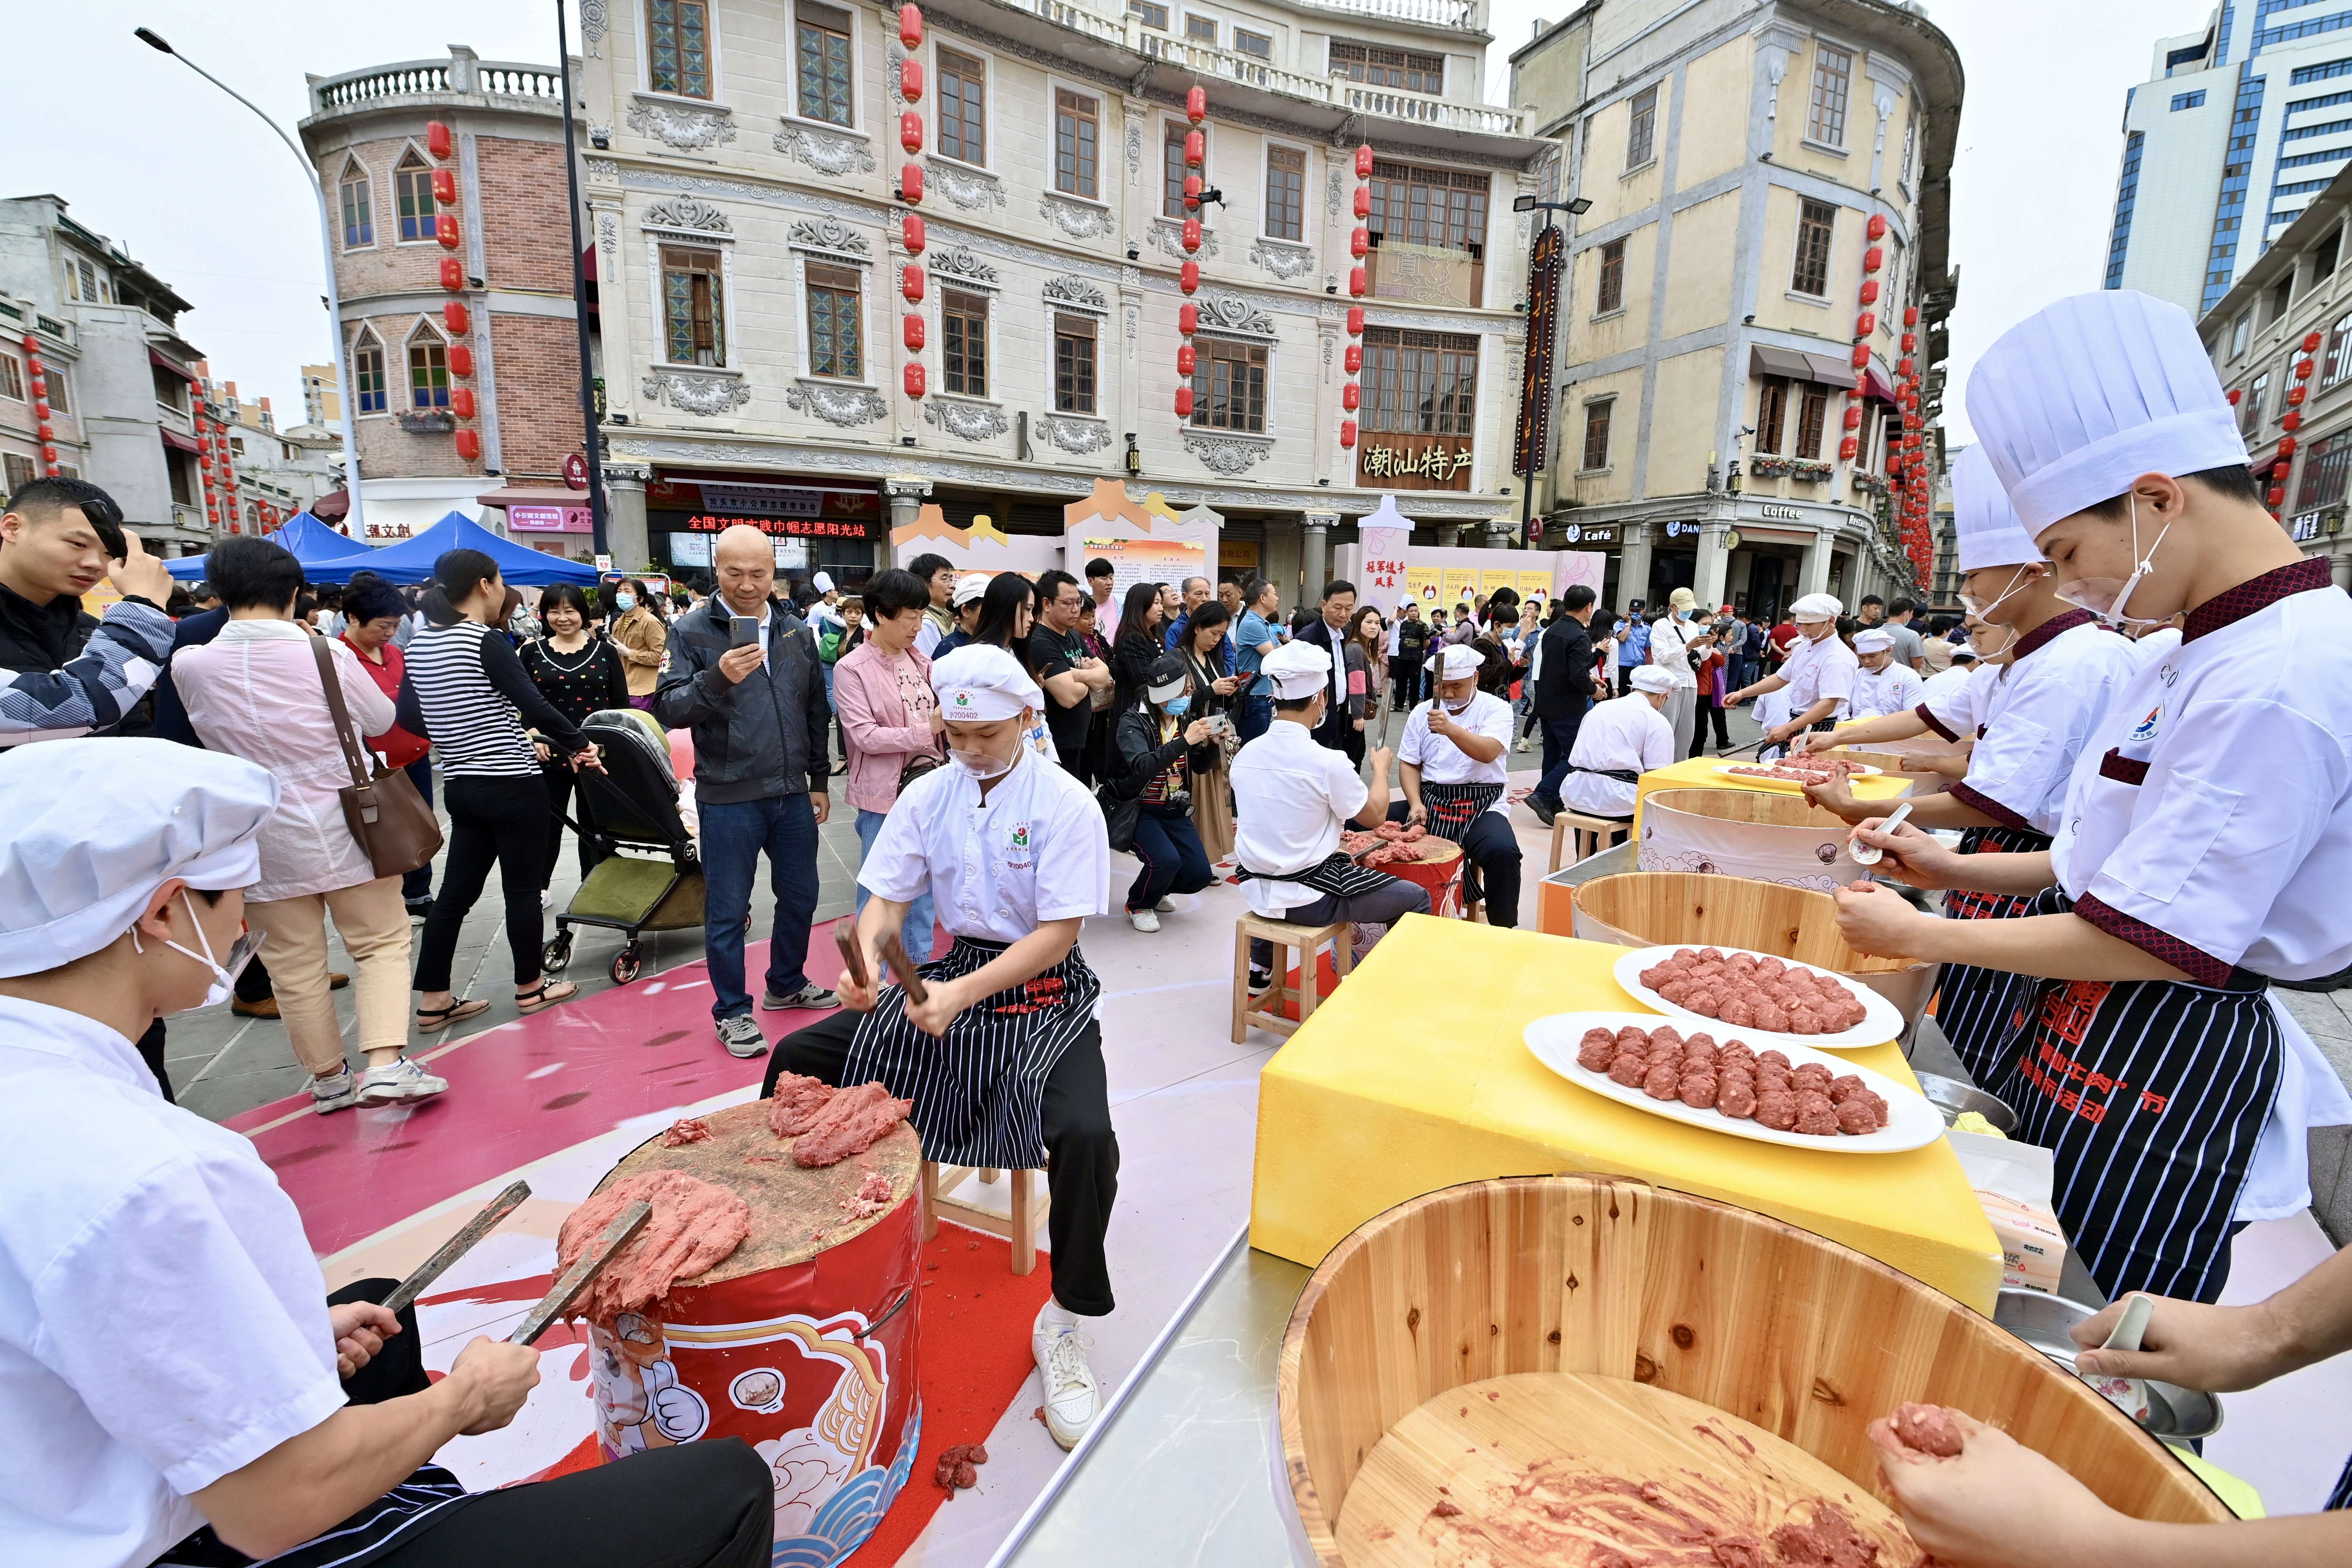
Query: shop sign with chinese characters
x=1444 y=463
x=798 y=527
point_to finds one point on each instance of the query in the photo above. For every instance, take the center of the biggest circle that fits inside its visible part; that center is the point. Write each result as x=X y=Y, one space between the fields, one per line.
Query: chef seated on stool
x=1003 y=1056
x=1622 y=739
x=1997 y=1501
x=179 y=1386
x=1881 y=685
x=1455 y=780
x=1818 y=674
x=1292 y=799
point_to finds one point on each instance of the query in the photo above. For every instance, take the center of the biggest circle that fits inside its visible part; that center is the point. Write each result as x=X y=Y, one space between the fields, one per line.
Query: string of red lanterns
x=37 y=369
x=1188 y=275
x=455 y=316
x=914 y=378
x=1360 y=244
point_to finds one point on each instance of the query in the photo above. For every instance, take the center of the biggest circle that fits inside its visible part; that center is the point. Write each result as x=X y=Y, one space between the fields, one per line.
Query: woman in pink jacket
x=882 y=691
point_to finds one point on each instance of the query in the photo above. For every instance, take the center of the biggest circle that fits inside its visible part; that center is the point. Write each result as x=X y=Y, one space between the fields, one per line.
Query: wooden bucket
x=1610 y=1278
x=1765 y=835
x=1679 y=909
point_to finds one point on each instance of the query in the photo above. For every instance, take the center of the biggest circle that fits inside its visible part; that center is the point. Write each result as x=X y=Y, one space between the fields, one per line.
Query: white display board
x=983 y=547
x=1145 y=541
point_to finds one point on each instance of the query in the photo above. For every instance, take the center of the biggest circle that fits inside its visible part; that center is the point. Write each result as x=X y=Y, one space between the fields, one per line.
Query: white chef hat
x=822 y=582
x=1649 y=678
x=1456 y=661
x=1816 y=607
x=967 y=589
x=96 y=827
x=1987 y=526
x=1298 y=671
x=981 y=682
x=2081 y=398
x=1873 y=641
x=1964 y=654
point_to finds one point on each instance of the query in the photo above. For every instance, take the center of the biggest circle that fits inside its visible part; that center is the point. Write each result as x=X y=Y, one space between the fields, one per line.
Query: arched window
x=358 y=200
x=428 y=370
x=367 y=374
x=411 y=184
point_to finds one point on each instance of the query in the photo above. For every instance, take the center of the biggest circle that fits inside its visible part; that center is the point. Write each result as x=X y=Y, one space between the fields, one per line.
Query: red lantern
x=2278 y=494
x=1903 y=367
x=2290 y=420
x=1355 y=320
x=911 y=184
x=2303 y=368
x=1196 y=147
x=1186 y=359
x=1364 y=163
x=1192 y=193
x=2286 y=446
x=1183 y=403
x=1910 y=315
x=1188 y=318
x=1877 y=227
x=1910 y=342
x=1346 y=433
x=913 y=378
x=1363 y=201
x=1188 y=276
x=1853 y=419
x=1192 y=235
x=2295 y=396
x=469 y=445
x=1868 y=294
x=1356 y=283
x=445 y=187
x=35 y=365
x=461 y=402
x=437 y=139
x=910 y=330
x=203 y=445
x=1196 y=104
x=2311 y=341
x=910 y=283
x=44 y=430
x=453 y=316
x=1349 y=398
x=1865 y=323
x=461 y=360
x=1848 y=448
x=910 y=132
x=212 y=513
x=1861 y=356
x=910 y=80
x=41 y=408
x=1873 y=259
x=1359 y=240
x=453 y=274
x=445 y=229
x=1354 y=358
x=910 y=234
x=910 y=25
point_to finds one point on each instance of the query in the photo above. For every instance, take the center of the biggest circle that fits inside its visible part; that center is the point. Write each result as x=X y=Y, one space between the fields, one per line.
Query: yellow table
x=1415 y=1076
x=1698 y=772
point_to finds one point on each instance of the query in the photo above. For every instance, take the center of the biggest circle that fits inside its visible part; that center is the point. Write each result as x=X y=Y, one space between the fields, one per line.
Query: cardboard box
x=2013 y=1182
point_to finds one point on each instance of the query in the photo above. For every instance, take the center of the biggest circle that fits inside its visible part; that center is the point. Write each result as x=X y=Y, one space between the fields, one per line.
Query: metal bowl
x=2175 y=1414
x=1952 y=1096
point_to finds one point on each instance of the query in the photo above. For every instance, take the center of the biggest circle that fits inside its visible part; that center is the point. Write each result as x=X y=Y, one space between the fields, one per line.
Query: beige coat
x=640 y=636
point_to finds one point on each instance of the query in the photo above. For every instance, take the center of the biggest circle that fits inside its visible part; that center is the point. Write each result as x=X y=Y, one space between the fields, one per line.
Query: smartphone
x=742 y=631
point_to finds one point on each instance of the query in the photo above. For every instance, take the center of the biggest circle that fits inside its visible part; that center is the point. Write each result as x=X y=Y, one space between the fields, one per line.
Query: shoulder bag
x=394 y=828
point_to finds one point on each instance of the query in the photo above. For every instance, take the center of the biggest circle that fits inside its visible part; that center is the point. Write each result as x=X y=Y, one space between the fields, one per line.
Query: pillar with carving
x=906 y=496
x=1315 y=551
x=625 y=516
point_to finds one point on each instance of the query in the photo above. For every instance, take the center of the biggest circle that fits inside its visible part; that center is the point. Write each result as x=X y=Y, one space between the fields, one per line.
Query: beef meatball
x=1816 y=1117
x=1675 y=990
x=1844 y=1087
x=1657 y=975
x=1773 y=1058
x=1701 y=999
x=1812 y=1076
x=1769 y=966
x=1772 y=1017
x=1776 y=1108
x=1664 y=1080
x=1855 y=1118
x=1803 y=1020
x=1700 y=1038
x=1631 y=1038
x=1877 y=1106
x=1737 y=1051
x=1594 y=1055
x=1667 y=1033
x=1628 y=1068
x=1735 y=1097
x=1738 y=1011
x=1698 y=1090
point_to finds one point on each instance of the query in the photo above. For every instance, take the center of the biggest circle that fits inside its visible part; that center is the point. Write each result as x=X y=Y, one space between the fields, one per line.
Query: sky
x=201 y=192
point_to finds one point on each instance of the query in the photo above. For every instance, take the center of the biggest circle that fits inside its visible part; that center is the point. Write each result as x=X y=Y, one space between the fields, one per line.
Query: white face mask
x=1980 y=608
x=240 y=953
x=982 y=765
x=2104 y=596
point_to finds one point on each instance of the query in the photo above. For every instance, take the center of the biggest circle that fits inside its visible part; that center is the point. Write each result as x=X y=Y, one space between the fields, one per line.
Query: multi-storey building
x=2282 y=340
x=761 y=308
x=2238 y=126
x=1756 y=296
x=453 y=255
x=274 y=473
x=322 y=403
x=112 y=399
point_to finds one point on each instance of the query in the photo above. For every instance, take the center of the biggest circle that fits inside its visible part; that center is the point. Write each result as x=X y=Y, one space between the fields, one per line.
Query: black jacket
x=52 y=635
x=171 y=713
x=758 y=738
x=1142 y=754
x=1564 y=684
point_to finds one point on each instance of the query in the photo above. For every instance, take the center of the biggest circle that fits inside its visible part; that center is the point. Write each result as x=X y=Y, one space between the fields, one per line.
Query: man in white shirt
x=1881 y=683
x=1620 y=741
x=1940 y=686
x=1673 y=641
x=1456 y=780
x=938 y=573
x=1100 y=575
x=181 y=1387
x=1818 y=674
x=1292 y=800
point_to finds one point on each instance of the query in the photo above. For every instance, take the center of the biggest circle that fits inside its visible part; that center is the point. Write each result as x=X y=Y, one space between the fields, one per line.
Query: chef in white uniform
x=1942 y=685
x=1881 y=686
x=177 y=1383
x=1620 y=741
x=1818 y=674
x=2207 y=833
x=1003 y=1058
x=1456 y=780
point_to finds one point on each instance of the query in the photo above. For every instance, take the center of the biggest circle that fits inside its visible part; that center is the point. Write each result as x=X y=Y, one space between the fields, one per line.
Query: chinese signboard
x=1438 y=463
x=1534 y=437
x=550 y=519
x=798 y=527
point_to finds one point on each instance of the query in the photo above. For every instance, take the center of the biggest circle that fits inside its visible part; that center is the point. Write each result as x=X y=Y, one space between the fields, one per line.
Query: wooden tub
x=1761 y=835
x=1690 y=909
x=1609 y=1277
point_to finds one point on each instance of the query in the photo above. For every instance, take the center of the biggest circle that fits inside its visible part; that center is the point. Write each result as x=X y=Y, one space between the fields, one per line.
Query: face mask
x=982 y=765
x=240 y=953
x=2104 y=596
x=1176 y=707
x=1980 y=608
x=624 y=601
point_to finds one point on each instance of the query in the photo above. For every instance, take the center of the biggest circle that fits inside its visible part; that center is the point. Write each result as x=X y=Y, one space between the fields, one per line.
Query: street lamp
x=1546 y=257
x=148 y=36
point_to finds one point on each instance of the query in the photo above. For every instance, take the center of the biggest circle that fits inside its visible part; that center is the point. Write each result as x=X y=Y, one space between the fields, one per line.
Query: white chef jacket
x=2041 y=712
x=1036 y=850
x=1441 y=761
x=1670 y=642
x=162 y=1320
x=1945 y=684
x=1623 y=733
x=1818 y=670
x=1957 y=709
x=1879 y=692
x=1292 y=799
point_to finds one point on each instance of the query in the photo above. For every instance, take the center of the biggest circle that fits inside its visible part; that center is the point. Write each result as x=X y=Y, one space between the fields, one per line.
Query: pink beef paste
x=796 y=1104
x=693 y=1227
x=684 y=1131
x=1927 y=1429
x=854 y=1121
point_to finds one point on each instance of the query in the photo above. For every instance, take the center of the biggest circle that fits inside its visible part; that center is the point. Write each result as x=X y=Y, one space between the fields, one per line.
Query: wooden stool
x=1266 y=1011
x=1593 y=834
x=1029 y=1205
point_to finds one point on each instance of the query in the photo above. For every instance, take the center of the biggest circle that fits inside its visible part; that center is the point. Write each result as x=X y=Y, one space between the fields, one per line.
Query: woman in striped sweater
x=479 y=704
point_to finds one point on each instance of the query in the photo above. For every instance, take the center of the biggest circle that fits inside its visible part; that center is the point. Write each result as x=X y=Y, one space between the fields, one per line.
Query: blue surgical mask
x=1175 y=707
x=624 y=601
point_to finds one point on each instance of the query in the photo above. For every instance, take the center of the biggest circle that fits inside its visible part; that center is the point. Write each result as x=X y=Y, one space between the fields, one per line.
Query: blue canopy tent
x=314 y=545
x=411 y=561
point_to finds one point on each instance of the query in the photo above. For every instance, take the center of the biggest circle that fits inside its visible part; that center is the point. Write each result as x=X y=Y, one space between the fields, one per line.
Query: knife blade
x=853 y=951
x=456 y=1247
x=894 y=953
x=557 y=1301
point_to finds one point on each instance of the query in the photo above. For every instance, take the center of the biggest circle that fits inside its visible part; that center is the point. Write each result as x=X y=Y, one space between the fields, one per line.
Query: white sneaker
x=333 y=1093
x=546 y=900
x=1166 y=905
x=1525 y=744
x=1073 y=1398
x=402 y=1079
x=1144 y=920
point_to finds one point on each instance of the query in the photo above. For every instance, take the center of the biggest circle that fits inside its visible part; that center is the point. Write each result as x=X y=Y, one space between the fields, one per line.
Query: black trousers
x=492 y=821
x=561 y=790
x=1170 y=853
x=1708 y=706
x=1492 y=875
x=419 y=884
x=1340 y=733
x=1407 y=680
x=699 y=1505
x=1383 y=906
x=1081 y=1148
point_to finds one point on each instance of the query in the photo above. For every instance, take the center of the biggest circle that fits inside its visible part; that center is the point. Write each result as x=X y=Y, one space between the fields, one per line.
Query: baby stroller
x=649 y=875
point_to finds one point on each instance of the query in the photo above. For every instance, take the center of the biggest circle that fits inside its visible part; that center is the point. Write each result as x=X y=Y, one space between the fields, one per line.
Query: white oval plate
x=1733 y=770
x=1882 y=1020
x=1911 y=1121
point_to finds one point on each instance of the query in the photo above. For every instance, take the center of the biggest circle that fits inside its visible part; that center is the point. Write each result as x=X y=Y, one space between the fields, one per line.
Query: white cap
x=822 y=582
x=1456 y=661
x=981 y=682
x=1816 y=607
x=1649 y=678
x=1989 y=533
x=1964 y=652
x=1873 y=641
x=969 y=588
x=1298 y=669
x=2081 y=398
x=96 y=827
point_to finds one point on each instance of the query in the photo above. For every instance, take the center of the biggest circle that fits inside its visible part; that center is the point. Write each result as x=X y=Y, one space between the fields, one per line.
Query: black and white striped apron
x=385 y=1523
x=1981 y=1010
x=2152 y=1094
x=1337 y=874
x=980 y=1091
x=1453 y=810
